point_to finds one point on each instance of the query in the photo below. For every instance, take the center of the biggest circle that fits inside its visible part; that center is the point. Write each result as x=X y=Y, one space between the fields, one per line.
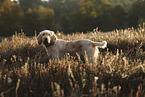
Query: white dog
x=57 y=48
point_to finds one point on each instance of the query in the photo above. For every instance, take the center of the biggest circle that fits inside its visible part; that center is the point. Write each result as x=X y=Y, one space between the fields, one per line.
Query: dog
x=58 y=48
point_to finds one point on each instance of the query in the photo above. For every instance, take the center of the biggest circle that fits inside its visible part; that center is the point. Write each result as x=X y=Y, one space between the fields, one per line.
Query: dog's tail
x=100 y=44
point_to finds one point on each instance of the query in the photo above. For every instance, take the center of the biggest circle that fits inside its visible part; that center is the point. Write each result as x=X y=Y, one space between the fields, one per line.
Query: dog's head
x=46 y=38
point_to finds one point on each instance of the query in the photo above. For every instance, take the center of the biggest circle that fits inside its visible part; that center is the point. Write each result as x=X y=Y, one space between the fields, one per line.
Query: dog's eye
x=46 y=34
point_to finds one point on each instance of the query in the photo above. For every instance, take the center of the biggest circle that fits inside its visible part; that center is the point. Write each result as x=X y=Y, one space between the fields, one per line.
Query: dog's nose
x=45 y=41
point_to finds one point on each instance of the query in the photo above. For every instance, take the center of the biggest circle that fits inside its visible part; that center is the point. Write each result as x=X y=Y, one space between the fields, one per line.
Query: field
x=119 y=72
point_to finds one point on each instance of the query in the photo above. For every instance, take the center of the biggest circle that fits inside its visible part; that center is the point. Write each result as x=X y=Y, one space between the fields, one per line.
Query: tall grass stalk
x=119 y=71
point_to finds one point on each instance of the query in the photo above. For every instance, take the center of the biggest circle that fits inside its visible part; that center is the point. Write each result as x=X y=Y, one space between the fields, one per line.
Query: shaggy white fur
x=57 y=48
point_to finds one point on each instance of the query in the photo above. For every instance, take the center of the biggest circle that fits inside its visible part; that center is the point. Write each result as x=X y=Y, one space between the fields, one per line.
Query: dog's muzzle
x=46 y=42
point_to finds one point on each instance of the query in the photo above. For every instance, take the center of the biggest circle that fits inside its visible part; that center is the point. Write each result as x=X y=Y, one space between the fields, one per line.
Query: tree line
x=68 y=15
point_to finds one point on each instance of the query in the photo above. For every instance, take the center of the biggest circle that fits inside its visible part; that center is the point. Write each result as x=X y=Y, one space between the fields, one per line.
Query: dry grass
x=120 y=70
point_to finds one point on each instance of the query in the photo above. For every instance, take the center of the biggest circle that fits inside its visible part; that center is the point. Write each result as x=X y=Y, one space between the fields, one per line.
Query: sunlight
x=18 y=0
x=45 y=0
x=14 y=0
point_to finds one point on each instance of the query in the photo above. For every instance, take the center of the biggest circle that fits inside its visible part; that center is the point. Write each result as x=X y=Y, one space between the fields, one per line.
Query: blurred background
x=69 y=16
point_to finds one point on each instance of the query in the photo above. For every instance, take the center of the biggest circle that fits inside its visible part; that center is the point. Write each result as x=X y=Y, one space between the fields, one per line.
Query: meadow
x=119 y=71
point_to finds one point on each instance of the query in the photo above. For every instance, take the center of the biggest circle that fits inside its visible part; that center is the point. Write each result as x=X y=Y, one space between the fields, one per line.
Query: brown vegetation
x=120 y=70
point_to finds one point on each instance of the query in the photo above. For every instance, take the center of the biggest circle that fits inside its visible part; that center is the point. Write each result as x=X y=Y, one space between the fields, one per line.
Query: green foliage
x=38 y=19
x=1 y=1
x=93 y=8
x=10 y=17
x=137 y=15
x=66 y=24
x=120 y=69
x=26 y=4
x=61 y=8
x=69 y=15
x=126 y=3
x=115 y=17
x=100 y=14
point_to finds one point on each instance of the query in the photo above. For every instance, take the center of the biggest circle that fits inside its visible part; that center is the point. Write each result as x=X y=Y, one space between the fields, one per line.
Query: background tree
x=126 y=3
x=66 y=23
x=69 y=15
x=137 y=13
x=85 y=17
x=113 y=18
x=38 y=19
x=26 y=4
x=10 y=17
x=1 y=1
x=63 y=9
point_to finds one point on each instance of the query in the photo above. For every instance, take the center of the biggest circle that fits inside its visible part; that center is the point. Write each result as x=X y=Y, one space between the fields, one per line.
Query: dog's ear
x=39 y=39
x=53 y=39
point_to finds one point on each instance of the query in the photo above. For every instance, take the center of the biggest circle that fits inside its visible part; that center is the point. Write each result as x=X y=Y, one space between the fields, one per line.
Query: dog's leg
x=55 y=54
x=47 y=51
x=92 y=55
